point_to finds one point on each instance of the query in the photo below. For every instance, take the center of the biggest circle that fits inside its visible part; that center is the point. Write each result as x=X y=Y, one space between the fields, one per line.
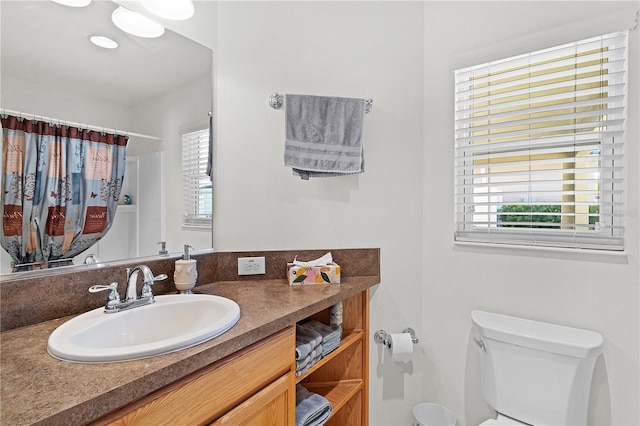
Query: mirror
x=158 y=87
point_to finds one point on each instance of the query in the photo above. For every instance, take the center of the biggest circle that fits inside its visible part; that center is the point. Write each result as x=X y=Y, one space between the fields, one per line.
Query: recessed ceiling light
x=73 y=3
x=103 y=41
x=136 y=24
x=177 y=10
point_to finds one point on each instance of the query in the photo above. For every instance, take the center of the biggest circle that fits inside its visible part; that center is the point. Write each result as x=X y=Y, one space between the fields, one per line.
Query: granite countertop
x=39 y=389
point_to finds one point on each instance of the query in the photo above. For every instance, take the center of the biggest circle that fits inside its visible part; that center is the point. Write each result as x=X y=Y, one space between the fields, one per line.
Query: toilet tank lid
x=538 y=335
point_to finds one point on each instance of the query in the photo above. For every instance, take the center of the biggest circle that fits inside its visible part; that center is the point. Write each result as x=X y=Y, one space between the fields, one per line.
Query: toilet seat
x=502 y=421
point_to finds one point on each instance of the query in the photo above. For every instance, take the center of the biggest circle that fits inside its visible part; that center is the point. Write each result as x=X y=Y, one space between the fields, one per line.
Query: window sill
x=592 y=255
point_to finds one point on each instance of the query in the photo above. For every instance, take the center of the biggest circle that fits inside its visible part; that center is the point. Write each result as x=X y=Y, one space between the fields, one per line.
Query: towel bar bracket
x=368 y=105
x=275 y=101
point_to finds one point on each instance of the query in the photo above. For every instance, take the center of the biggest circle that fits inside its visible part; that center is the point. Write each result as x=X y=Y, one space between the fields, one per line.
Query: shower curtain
x=61 y=187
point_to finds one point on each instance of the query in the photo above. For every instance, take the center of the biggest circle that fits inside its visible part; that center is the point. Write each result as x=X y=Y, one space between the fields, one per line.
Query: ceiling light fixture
x=73 y=3
x=136 y=24
x=103 y=41
x=177 y=10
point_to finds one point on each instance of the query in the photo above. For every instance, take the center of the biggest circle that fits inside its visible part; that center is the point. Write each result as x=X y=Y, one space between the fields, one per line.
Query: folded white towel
x=324 y=135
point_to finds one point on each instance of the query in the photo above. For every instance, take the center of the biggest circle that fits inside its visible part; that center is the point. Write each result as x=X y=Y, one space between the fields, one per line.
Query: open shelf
x=338 y=393
x=348 y=338
x=342 y=376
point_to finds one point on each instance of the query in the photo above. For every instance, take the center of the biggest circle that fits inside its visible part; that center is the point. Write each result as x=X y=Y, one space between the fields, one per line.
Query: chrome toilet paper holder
x=382 y=337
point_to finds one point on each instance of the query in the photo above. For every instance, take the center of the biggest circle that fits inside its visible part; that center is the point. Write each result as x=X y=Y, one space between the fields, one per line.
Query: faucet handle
x=146 y=288
x=98 y=288
x=113 y=299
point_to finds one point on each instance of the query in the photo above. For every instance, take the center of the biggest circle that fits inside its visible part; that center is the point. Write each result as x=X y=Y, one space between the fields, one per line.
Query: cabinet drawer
x=213 y=391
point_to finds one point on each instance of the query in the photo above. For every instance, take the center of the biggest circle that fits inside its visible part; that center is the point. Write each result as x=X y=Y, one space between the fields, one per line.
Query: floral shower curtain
x=61 y=187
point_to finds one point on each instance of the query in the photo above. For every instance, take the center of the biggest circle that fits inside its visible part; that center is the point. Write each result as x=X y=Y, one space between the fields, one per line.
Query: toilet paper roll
x=401 y=347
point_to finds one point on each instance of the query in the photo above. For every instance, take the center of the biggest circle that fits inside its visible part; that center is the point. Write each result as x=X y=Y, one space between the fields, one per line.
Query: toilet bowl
x=535 y=373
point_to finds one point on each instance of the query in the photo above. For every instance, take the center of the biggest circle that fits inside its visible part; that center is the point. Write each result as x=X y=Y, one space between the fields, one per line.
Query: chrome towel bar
x=276 y=99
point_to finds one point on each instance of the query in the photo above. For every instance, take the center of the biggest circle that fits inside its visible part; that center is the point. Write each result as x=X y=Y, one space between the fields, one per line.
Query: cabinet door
x=272 y=406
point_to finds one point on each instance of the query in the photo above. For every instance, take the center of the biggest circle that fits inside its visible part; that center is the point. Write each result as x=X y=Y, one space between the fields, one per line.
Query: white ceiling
x=48 y=43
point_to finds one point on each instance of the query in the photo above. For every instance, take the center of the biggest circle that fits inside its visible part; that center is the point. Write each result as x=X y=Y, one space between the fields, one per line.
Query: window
x=539 y=147
x=197 y=186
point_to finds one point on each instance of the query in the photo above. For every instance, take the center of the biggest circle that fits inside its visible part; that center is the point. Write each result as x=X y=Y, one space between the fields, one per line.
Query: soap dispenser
x=186 y=272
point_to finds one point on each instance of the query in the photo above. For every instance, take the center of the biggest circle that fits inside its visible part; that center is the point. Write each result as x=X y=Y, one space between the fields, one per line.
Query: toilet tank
x=535 y=372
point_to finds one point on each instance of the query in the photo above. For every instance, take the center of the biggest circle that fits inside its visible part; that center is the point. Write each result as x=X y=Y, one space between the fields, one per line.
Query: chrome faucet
x=114 y=304
x=132 y=279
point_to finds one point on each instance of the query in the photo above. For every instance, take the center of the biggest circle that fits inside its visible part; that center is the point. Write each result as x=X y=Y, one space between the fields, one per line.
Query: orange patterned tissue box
x=327 y=274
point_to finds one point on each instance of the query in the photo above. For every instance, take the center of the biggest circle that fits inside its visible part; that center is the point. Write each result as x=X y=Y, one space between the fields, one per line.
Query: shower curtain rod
x=74 y=124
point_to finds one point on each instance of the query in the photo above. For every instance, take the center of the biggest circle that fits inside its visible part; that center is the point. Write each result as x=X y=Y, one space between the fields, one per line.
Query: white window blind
x=539 y=147
x=197 y=187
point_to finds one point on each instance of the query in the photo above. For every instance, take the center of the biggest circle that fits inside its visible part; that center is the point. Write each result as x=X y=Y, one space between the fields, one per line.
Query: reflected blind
x=539 y=147
x=197 y=186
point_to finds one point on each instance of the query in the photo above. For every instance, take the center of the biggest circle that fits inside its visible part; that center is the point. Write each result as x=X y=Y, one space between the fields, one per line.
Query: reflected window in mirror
x=198 y=197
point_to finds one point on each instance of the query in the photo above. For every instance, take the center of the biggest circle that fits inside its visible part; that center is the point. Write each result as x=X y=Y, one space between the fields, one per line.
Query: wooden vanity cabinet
x=256 y=386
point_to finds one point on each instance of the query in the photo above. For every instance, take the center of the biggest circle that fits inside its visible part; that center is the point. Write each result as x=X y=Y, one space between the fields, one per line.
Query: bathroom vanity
x=245 y=376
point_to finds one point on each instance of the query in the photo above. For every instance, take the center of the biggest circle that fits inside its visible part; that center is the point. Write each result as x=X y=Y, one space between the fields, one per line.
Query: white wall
x=593 y=292
x=398 y=54
x=351 y=49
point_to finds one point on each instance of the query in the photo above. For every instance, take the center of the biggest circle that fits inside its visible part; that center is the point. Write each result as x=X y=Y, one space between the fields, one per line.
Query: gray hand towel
x=324 y=135
x=331 y=334
x=311 y=409
x=326 y=331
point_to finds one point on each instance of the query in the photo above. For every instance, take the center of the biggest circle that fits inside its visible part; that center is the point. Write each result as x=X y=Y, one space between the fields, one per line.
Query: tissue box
x=329 y=274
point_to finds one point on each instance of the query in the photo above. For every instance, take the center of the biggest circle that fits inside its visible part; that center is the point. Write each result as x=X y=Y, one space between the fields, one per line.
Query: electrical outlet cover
x=251 y=266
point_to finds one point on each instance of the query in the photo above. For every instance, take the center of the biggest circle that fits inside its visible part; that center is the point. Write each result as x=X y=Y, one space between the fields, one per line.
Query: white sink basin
x=172 y=323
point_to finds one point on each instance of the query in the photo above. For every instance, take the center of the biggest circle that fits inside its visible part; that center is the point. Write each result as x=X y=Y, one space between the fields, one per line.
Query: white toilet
x=535 y=373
